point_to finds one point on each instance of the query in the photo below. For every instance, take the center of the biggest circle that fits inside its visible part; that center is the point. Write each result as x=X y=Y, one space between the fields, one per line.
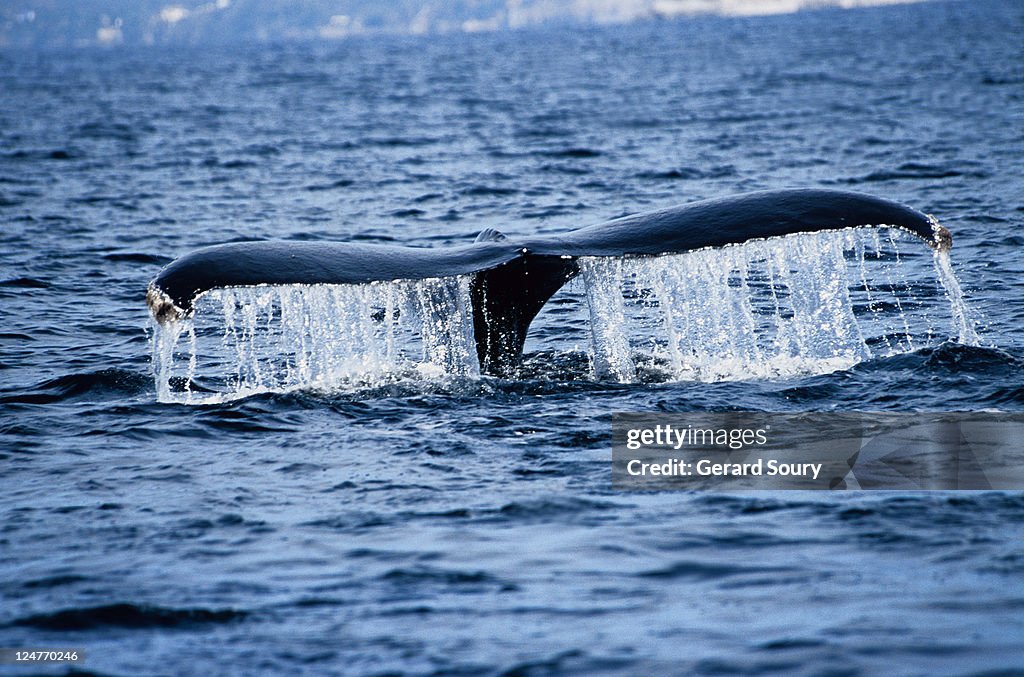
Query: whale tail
x=513 y=279
x=505 y=301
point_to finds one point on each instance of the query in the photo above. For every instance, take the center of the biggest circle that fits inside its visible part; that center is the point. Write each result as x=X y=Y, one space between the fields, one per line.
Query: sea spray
x=246 y=340
x=801 y=304
x=611 y=358
x=966 y=333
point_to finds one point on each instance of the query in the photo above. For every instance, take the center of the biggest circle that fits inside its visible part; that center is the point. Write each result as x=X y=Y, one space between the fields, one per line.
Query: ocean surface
x=467 y=525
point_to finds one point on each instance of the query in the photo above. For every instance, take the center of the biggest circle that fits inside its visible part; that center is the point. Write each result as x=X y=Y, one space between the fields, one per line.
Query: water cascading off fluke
x=801 y=304
x=754 y=285
x=245 y=340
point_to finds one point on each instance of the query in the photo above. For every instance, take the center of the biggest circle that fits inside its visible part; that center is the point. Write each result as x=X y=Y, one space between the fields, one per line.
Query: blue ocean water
x=470 y=527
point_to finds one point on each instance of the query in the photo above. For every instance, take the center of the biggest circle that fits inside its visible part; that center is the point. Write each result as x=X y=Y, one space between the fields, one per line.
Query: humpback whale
x=514 y=278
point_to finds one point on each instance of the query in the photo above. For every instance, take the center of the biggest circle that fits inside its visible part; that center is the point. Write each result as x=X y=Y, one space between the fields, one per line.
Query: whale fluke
x=739 y=218
x=514 y=278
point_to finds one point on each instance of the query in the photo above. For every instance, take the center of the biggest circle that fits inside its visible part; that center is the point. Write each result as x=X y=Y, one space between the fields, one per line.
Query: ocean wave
x=110 y=382
x=129 y=616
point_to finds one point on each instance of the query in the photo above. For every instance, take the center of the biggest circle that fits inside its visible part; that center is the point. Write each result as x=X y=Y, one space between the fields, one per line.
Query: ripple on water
x=128 y=616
